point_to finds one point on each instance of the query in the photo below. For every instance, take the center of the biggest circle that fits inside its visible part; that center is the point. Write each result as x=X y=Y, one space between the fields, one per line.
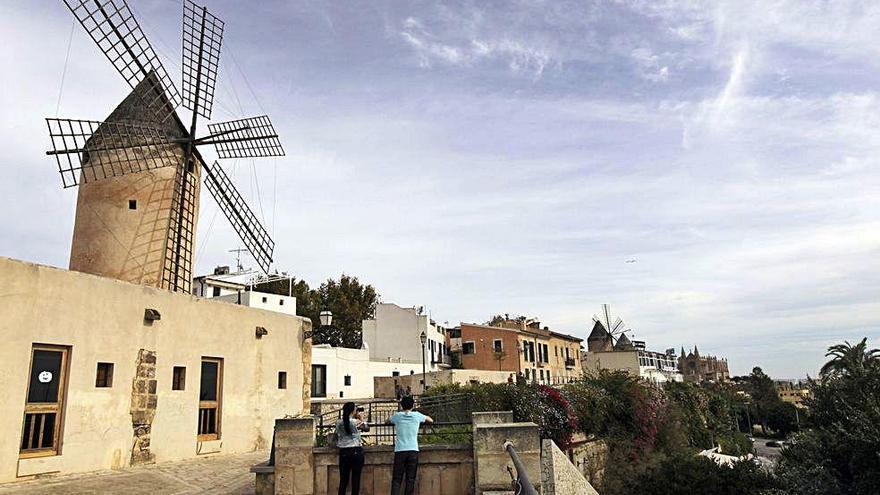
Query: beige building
x=97 y=373
x=521 y=346
x=604 y=352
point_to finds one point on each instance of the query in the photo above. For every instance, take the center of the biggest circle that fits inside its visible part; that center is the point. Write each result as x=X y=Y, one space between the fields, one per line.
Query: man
x=406 y=445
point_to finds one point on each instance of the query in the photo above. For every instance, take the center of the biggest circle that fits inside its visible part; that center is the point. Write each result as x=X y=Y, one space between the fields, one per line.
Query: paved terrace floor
x=222 y=474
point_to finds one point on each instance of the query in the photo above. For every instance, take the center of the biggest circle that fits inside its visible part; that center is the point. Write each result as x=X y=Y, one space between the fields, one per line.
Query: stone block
x=491 y=460
x=492 y=417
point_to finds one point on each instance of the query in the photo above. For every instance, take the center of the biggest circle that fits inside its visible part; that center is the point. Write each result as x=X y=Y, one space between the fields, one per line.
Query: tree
x=350 y=302
x=838 y=453
x=848 y=359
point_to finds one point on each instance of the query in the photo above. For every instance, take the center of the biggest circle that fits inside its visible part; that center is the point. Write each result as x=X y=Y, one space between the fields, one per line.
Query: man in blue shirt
x=406 y=445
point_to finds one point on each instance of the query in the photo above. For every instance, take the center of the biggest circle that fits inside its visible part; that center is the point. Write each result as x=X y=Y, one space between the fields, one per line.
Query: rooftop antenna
x=147 y=139
x=238 y=252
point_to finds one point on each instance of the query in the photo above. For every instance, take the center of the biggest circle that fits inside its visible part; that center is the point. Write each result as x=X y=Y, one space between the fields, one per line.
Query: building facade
x=518 y=346
x=394 y=333
x=343 y=373
x=698 y=369
x=104 y=374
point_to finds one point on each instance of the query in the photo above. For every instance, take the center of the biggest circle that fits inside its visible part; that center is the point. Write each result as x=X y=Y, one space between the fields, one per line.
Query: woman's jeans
x=351 y=462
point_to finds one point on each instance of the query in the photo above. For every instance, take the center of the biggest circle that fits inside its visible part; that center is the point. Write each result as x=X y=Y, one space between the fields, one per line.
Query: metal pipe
x=522 y=477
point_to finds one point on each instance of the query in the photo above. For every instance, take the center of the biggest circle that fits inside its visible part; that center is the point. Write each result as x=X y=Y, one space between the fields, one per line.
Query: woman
x=351 y=451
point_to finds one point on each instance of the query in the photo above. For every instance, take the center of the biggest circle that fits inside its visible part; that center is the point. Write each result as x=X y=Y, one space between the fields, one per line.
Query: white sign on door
x=45 y=376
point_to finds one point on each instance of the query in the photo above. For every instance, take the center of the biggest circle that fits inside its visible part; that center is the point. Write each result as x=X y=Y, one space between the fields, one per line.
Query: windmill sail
x=245 y=138
x=88 y=150
x=117 y=33
x=202 y=37
x=177 y=270
x=255 y=237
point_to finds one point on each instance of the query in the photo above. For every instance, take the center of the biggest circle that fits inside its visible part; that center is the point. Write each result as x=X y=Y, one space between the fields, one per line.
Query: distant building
x=793 y=392
x=519 y=346
x=237 y=288
x=698 y=369
x=630 y=356
x=343 y=373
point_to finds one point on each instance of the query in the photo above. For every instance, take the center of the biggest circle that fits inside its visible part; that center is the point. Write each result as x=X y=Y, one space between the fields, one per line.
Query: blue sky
x=491 y=157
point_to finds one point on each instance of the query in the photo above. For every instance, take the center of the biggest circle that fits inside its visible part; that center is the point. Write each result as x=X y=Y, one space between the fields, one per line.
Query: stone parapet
x=294 y=463
x=491 y=461
x=492 y=417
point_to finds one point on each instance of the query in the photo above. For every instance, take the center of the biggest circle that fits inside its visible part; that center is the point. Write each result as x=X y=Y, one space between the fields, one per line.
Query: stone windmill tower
x=139 y=170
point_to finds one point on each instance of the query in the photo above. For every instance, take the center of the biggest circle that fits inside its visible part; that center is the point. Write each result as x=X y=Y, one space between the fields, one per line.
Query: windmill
x=616 y=331
x=145 y=149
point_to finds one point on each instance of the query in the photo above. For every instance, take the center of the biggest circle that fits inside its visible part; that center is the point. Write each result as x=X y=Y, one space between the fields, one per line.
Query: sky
x=487 y=157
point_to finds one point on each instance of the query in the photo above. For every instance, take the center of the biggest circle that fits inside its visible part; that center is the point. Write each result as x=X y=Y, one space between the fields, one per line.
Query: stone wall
x=443 y=469
x=589 y=456
x=558 y=475
x=143 y=406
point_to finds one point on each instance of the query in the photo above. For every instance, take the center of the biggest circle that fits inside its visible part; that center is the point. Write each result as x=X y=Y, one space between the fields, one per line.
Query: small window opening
x=347 y=380
x=265 y=299
x=104 y=377
x=341 y=394
x=132 y=204
x=282 y=379
x=216 y=291
x=178 y=378
x=281 y=302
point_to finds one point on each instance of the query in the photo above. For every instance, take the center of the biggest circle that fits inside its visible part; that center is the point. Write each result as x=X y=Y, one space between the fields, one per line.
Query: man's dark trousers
x=406 y=464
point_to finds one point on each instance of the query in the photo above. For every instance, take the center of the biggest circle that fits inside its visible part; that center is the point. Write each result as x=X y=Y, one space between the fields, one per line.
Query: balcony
x=443 y=361
x=569 y=362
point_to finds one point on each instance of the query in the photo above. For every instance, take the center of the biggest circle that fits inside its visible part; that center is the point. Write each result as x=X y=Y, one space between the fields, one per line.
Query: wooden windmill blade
x=177 y=270
x=252 y=137
x=249 y=229
x=117 y=33
x=88 y=150
x=202 y=38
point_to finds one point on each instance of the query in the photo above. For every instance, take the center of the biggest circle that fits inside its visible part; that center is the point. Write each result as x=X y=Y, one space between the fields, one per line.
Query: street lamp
x=423 y=338
x=326 y=318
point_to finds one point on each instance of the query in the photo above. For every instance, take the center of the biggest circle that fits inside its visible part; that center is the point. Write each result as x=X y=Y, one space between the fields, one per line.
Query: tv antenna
x=238 y=252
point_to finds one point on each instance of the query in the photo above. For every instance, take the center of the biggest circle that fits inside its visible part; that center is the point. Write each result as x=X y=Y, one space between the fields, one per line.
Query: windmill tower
x=139 y=171
x=607 y=336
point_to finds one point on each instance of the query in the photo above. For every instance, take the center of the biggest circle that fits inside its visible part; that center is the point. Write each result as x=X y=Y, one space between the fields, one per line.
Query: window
x=556 y=350
x=546 y=354
x=468 y=348
x=347 y=380
x=178 y=378
x=281 y=302
x=497 y=345
x=540 y=357
x=395 y=373
x=210 y=397
x=341 y=394
x=265 y=299
x=319 y=380
x=531 y=351
x=132 y=204
x=104 y=376
x=527 y=373
x=282 y=380
x=216 y=291
x=542 y=375
x=45 y=402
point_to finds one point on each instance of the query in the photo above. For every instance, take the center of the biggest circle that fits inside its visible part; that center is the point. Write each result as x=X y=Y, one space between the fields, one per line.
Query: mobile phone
x=360 y=409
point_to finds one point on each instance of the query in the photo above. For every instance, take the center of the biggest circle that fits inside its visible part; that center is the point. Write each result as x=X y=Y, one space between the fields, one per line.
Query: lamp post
x=423 y=338
x=326 y=319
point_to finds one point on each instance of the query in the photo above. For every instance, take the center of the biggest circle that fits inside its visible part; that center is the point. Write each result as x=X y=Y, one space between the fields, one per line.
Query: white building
x=635 y=359
x=343 y=373
x=237 y=288
x=394 y=333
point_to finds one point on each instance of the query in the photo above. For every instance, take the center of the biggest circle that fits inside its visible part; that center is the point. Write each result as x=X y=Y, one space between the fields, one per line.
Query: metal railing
x=451 y=415
x=521 y=483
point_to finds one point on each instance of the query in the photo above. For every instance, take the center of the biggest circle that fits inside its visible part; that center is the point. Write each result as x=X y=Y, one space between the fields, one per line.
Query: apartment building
x=520 y=346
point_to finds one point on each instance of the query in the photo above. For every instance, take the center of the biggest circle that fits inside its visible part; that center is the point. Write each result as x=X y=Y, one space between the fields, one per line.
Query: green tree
x=351 y=302
x=838 y=452
x=848 y=359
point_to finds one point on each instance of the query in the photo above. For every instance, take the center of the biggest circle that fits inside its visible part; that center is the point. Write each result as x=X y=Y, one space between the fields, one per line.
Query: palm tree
x=850 y=360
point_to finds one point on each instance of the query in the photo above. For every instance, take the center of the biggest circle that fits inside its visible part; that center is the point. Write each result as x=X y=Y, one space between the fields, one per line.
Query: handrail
x=522 y=479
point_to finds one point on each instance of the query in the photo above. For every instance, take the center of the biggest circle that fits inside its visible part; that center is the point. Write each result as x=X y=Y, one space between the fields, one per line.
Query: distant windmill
x=617 y=330
x=146 y=137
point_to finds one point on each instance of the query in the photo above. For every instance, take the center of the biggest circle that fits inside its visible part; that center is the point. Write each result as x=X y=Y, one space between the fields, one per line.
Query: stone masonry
x=143 y=406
